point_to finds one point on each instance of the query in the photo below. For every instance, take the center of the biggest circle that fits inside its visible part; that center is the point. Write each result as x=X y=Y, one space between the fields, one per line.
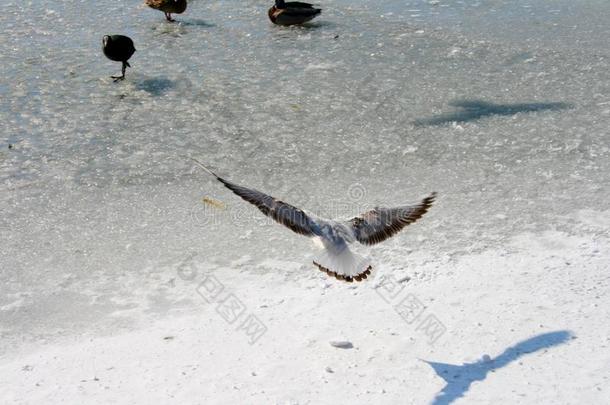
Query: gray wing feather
x=379 y=224
x=288 y=215
x=292 y=217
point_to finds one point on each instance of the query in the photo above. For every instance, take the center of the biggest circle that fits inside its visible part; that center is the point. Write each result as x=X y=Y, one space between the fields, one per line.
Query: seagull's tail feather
x=343 y=265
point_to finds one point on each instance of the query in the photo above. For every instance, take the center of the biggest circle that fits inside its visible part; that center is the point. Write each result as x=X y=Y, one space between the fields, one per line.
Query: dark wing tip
x=421 y=209
x=430 y=199
x=198 y=163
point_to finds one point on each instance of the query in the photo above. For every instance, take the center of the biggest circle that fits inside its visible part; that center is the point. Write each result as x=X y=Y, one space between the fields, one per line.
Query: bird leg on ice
x=169 y=18
x=122 y=77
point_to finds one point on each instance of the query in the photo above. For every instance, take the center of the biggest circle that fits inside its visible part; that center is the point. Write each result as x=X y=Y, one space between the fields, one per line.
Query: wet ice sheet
x=560 y=24
x=99 y=206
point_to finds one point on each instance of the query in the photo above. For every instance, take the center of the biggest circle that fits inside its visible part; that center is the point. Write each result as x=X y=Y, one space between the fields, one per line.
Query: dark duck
x=168 y=7
x=118 y=48
x=292 y=12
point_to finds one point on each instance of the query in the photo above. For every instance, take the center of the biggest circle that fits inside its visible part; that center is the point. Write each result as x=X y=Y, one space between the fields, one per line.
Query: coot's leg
x=122 y=77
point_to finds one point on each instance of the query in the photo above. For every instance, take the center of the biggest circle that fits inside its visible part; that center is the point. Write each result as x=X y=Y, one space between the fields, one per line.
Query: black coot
x=118 y=48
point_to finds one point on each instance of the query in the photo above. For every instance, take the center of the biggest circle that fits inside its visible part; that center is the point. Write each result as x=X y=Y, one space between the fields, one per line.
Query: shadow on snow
x=460 y=377
x=156 y=86
x=471 y=110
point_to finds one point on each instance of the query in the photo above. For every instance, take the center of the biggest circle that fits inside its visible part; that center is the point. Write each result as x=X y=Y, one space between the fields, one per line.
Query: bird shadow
x=471 y=110
x=308 y=26
x=319 y=24
x=460 y=377
x=155 y=86
x=196 y=23
x=175 y=29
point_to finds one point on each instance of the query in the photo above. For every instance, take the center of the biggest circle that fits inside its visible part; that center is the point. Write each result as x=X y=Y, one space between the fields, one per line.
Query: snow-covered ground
x=118 y=284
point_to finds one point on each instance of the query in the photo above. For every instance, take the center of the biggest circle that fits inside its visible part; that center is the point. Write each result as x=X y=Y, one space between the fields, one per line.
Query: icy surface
x=502 y=107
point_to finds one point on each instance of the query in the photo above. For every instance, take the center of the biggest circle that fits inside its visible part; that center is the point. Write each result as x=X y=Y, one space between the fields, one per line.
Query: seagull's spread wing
x=286 y=214
x=379 y=224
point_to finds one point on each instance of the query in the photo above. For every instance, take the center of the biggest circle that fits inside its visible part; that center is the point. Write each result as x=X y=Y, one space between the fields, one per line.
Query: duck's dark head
x=280 y=4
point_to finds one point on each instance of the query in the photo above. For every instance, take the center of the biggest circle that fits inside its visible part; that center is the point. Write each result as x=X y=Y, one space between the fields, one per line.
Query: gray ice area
x=502 y=107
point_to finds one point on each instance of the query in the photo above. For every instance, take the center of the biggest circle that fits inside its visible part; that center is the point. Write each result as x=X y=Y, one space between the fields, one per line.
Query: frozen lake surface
x=502 y=107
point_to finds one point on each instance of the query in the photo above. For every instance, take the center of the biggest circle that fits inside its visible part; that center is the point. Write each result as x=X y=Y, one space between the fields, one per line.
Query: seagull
x=335 y=259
